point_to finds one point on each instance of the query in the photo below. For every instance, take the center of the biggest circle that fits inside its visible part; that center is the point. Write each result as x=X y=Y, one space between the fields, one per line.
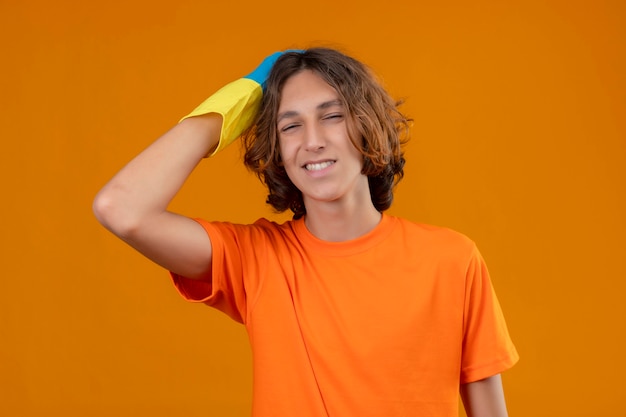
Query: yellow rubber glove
x=237 y=102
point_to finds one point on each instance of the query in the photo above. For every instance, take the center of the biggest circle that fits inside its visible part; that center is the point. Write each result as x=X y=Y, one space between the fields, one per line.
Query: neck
x=338 y=222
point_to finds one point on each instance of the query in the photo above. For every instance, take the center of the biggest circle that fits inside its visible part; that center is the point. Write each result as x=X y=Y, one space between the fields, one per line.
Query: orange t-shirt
x=388 y=324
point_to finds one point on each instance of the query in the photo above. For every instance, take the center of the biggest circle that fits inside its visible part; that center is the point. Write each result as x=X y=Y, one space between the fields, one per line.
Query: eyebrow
x=321 y=106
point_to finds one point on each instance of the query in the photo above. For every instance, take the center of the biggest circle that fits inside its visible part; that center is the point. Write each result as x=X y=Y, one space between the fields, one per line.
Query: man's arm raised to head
x=133 y=204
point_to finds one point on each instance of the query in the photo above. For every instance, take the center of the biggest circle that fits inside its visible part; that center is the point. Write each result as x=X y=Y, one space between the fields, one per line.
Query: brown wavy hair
x=375 y=126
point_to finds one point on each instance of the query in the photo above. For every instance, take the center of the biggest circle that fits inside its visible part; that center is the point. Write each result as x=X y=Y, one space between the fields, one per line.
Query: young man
x=350 y=312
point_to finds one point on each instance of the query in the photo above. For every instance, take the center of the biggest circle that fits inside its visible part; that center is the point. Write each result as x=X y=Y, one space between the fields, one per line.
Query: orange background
x=519 y=142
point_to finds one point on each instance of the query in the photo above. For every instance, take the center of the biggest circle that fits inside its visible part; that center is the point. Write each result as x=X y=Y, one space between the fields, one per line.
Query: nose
x=314 y=138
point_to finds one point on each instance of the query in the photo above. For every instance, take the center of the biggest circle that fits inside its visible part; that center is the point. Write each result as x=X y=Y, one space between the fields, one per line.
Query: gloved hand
x=238 y=102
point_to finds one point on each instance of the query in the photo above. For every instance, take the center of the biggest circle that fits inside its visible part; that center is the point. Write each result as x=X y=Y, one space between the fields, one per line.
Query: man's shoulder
x=436 y=237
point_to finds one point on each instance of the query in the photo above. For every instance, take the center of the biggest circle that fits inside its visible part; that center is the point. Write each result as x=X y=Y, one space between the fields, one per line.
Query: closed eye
x=289 y=127
x=333 y=116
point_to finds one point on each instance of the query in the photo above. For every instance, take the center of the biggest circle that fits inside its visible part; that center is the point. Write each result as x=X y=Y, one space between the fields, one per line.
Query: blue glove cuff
x=262 y=72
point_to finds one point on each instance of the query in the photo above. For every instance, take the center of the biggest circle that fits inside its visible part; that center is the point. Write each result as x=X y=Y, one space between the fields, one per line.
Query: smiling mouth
x=319 y=166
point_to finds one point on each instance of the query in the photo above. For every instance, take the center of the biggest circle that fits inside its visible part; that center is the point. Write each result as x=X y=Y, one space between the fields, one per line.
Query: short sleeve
x=487 y=346
x=226 y=291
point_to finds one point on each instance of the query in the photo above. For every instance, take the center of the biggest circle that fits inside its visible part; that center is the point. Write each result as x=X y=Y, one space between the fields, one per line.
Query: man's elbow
x=110 y=212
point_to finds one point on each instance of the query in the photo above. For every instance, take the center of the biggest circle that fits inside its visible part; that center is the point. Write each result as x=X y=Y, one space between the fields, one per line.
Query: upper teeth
x=317 y=167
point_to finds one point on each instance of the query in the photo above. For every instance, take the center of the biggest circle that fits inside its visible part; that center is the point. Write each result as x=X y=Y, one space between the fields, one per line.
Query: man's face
x=315 y=146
